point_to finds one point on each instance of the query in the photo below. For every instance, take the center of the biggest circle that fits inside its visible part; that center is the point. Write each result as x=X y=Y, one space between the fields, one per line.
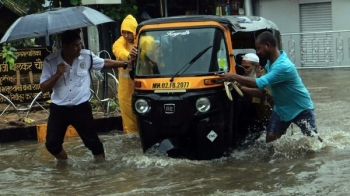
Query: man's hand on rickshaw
x=229 y=83
x=133 y=54
x=225 y=77
x=132 y=57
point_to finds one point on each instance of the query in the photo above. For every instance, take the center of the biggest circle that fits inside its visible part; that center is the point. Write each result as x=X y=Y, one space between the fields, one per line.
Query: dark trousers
x=80 y=117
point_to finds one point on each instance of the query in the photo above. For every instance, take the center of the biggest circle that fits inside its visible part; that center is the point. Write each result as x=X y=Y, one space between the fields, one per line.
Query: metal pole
x=248 y=7
x=166 y=8
x=161 y=8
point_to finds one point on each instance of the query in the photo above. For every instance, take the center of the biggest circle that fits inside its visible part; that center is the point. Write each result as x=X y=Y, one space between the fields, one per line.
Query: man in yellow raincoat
x=121 y=49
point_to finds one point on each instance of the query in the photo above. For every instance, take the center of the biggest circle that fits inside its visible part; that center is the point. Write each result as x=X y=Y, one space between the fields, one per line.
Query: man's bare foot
x=99 y=157
x=62 y=155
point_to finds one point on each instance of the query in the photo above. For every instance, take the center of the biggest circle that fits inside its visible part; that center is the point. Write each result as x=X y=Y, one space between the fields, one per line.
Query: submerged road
x=292 y=165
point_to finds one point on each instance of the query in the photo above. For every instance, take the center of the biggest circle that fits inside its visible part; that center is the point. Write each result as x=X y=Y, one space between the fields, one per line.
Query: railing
x=318 y=49
x=104 y=100
x=26 y=109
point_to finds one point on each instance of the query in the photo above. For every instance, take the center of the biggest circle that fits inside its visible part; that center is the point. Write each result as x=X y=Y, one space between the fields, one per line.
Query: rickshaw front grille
x=169 y=120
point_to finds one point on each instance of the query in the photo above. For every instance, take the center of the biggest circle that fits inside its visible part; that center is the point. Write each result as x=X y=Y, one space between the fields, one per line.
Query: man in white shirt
x=66 y=73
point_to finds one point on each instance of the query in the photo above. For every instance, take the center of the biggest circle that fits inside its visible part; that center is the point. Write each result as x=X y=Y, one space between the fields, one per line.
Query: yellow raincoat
x=147 y=54
x=121 y=49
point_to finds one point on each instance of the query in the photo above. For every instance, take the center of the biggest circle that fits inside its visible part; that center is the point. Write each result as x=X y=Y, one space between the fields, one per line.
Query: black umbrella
x=53 y=21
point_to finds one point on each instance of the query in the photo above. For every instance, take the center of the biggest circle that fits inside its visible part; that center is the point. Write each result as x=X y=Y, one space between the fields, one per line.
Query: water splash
x=293 y=145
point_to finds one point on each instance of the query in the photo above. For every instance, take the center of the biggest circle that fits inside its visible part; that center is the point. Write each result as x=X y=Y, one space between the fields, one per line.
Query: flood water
x=293 y=165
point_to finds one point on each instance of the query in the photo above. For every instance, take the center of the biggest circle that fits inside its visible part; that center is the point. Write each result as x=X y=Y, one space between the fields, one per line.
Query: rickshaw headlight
x=141 y=106
x=203 y=104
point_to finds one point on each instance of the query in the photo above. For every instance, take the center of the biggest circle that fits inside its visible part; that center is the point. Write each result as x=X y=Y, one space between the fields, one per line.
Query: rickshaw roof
x=234 y=22
x=252 y=23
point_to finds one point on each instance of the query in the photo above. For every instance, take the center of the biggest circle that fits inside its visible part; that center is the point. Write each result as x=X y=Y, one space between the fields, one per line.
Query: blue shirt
x=288 y=91
x=73 y=87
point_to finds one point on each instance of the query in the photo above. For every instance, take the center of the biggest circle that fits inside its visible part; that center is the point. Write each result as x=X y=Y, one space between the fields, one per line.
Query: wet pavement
x=293 y=165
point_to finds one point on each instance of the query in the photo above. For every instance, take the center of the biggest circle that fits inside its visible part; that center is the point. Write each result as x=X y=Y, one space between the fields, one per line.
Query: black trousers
x=80 y=117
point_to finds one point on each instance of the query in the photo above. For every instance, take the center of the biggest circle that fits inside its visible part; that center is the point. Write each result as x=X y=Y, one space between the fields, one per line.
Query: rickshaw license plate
x=173 y=85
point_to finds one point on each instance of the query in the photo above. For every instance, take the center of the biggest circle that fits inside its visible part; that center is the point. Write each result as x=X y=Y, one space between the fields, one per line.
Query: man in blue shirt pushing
x=292 y=100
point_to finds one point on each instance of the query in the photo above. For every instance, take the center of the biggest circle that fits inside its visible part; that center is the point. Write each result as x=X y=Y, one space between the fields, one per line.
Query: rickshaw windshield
x=165 y=52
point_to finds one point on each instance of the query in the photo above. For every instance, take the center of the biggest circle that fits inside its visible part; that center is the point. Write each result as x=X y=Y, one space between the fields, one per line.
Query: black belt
x=70 y=106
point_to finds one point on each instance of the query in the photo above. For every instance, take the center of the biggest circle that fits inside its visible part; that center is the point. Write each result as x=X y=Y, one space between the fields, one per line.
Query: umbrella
x=53 y=21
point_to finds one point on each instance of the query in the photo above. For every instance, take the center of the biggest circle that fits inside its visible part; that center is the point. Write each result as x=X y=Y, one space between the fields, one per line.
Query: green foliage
x=119 y=12
x=24 y=43
x=112 y=106
x=95 y=105
x=116 y=11
x=8 y=55
x=75 y=2
x=32 y=5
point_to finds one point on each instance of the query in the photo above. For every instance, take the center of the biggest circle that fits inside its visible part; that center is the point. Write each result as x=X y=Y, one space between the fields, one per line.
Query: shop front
x=165 y=8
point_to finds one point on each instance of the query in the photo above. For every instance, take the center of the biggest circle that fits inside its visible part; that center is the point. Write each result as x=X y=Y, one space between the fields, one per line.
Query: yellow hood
x=129 y=24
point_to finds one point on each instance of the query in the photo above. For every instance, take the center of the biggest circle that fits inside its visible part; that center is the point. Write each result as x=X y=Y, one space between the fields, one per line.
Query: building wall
x=341 y=14
x=286 y=15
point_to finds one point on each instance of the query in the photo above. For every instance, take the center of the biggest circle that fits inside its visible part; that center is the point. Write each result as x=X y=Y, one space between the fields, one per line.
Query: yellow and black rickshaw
x=181 y=107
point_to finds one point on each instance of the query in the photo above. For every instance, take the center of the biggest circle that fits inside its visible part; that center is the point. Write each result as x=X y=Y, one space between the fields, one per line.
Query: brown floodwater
x=293 y=165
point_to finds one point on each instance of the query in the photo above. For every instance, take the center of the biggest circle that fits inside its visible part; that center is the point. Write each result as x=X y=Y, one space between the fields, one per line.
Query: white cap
x=251 y=57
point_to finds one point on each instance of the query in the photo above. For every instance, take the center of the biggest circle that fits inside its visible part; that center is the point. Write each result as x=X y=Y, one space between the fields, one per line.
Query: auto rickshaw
x=181 y=107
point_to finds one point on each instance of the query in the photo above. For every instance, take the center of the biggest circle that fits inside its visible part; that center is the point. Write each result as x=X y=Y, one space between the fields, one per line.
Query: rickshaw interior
x=174 y=49
x=244 y=42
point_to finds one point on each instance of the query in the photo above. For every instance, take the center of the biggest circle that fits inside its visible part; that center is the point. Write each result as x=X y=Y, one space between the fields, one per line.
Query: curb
x=30 y=132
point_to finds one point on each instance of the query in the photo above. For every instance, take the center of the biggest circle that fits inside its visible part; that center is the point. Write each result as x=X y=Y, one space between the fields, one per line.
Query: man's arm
x=254 y=92
x=245 y=81
x=50 y=83
x=116 y=64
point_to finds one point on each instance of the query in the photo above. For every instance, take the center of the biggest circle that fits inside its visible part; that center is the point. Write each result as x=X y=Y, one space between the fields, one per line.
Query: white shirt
x=73 y=87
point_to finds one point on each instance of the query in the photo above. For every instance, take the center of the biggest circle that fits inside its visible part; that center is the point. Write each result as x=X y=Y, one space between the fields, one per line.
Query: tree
x=31 y=6
x=8 y=54
x=115 y=11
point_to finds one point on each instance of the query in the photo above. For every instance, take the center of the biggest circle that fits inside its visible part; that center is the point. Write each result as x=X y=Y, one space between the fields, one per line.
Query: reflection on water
x=293 y=165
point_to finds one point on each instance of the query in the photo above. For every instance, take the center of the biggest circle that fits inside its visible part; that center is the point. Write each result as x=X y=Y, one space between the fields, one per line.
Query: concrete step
x=29 y=132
